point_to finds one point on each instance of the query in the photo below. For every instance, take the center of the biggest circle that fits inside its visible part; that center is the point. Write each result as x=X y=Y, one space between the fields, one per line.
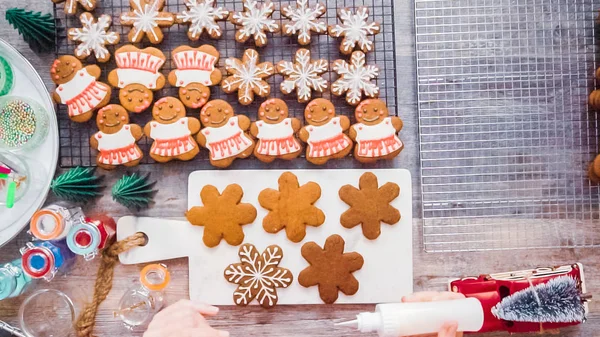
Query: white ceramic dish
x=41 y=161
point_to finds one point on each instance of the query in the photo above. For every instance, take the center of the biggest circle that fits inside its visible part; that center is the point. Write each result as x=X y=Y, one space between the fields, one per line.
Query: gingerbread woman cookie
x=254 y=21
x=247 y=77
x=304 y=20
x=202 y=15
x=146 y=18
x=116 y=141
x=78 y=88
x=71 y=5
x=224 y=134
x=303 y=75
x=275 y=132
x=355 y=29
x=375 y=133
x=137 y=75
x=172 y=131
x=196 y=71
x=94 y=36
x=324 y=133
x=355 y=78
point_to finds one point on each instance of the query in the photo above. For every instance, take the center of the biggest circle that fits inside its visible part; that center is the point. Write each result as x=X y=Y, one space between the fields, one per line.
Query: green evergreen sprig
x=79 y=184
x=134 y=191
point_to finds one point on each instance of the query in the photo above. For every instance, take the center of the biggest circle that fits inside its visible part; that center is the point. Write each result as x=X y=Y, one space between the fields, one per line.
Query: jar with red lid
x=91 y=235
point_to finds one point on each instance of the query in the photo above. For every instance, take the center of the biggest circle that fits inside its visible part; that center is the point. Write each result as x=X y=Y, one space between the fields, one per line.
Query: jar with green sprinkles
x=23 y=123
x=7 y=79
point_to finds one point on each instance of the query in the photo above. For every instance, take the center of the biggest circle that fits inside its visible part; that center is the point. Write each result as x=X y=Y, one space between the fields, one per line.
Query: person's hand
x=449 y=328
x=184 y=319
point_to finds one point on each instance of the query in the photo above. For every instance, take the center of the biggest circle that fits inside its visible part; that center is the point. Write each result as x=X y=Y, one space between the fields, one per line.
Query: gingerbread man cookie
x=275 y=132
x=94 y=36
x=375 y=133
x=247 y=77
x=224 y=134
x=202 y=15
x=196 y=71
x=254 y=21
x=146 y=18
x=304 y=20
x=355 y=78
x=78 y=88
x=355 y=29
x=71 y=5
x=116 y=141
x=303 y=75
x=137 y=75
x=324 y=133
x=172 y=131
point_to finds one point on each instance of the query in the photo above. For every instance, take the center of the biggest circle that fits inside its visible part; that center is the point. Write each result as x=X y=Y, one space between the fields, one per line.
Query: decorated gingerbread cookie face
x=273 y=111
x=168 y=110
x=116 y=140
x=194 y=95
x=319 y=112
x=216 y=113
x=112 y=118
x=371 y=112
x=135 y=97
x=64 y=69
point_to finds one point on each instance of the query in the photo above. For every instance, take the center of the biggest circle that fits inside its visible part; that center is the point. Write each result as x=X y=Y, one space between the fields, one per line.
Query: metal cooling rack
x=74 y=137
x=506 y=134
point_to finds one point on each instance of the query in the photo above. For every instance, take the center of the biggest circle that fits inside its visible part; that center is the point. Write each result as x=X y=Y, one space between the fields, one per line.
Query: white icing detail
x=82 y=93
x=303 y=20
x=247 y=77
x=185 y=77
x=226 y=141
x=327 y=139
x=255 y=20
x=193 y=66
x=276 y=139
x=303 y=76
x=171 y=139
x=136 y=76
x=376 y=140
x=117 y=148
x=355 y=78
x=93 y=36
x=145 y=18
x=202 y=15
x=355 y=29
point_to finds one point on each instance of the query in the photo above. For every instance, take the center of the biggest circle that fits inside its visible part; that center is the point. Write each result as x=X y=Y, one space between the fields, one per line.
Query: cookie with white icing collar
x=275 y=132
x=93 y=37
x=146 y=19
x=355 y=29
x=376 y=132
x=116 y=140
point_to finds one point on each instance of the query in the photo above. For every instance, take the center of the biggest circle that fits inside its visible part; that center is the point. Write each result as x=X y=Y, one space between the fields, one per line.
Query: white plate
x=42 y=161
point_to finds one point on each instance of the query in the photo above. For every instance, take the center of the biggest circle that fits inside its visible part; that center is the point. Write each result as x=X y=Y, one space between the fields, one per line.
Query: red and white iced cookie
x=324 y=132
x=116 y=141
x=275 y=132
x=224 y=133
x=376 y=133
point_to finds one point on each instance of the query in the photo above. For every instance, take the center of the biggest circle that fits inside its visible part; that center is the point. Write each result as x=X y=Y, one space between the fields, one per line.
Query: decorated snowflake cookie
x=254 y=21
x=147 y=17
x=202 y=15
x=93 y=37
x=304 y=20
x=355 y=78
x=71 y=5
x=247 y=77
x=303 y=76
x=355 y=29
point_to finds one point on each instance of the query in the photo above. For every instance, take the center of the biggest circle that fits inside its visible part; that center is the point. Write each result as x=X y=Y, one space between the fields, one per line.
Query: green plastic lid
x=6 y=77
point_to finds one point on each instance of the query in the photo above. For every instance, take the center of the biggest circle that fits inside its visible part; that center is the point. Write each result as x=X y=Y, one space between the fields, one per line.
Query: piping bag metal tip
x=350 y=324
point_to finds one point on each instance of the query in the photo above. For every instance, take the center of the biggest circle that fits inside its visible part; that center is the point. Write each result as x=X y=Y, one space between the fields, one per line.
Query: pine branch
x=134 y=191
x=38 y=30
x=77 y=184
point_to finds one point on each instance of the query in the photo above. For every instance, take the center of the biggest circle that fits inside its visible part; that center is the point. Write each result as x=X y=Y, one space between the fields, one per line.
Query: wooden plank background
x=431 y=270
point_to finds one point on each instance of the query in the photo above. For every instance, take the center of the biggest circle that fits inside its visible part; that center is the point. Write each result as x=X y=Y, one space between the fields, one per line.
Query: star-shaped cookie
x=222 y=215
x=292 y=207
x=247 y=77
x=369 y=205
x=330 y=268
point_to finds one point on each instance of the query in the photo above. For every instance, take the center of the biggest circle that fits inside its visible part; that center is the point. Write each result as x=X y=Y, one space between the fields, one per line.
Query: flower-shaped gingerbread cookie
x=147 y=18
x=375 y=133
x=172 y=131
x=304 y=20
x=195 y=72
x=355 y=29
x=275 y=132
x=93 y=37
x=303 y=75
x=116 y=141
x=202 y=15
x=71 y=5
x=224 y=133
x=137 y=75
x=355 y=78
x=254 y=21
x=78 y=88
x=324 y=132
x=222 y=215
x=369 y=205
x=247 y=77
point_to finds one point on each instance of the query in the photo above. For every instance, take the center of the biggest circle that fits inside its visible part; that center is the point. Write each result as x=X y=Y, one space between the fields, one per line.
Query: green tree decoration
x=134 y=191
x=77 y=184
x=38 y=30
x=558 y=301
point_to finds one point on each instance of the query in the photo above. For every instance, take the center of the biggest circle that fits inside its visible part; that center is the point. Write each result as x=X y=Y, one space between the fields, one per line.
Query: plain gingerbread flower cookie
x=355 y=30
x=93 y=37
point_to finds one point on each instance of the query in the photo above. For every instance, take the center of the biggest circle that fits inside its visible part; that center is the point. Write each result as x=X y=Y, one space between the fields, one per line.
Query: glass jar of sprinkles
x=23 y=123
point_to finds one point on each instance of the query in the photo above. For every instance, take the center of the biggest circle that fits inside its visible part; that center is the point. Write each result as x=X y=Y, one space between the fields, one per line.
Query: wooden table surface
x=431 y=270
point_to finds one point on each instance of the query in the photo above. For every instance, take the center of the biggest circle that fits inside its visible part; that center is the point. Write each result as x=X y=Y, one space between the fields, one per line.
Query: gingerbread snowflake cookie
x=304 y=20
x=275 y=132
x=303 y=75
x=291 y=207
x=93 y=37
x=355 y=29
x=258 y=276
x=254 y=21
x=330 y=268
x=71 y=5
x=369 y=205
x=146 y=18
x=355 y=78
x=222 y=215
x=201 y=16
x=247 y=77
x=375 y=133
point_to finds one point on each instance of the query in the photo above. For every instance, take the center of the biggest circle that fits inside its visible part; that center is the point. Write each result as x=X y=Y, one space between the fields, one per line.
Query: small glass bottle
x=139 y=304
x=13 y=280
x=54 y=222
x=43 y=259
x=87 y=238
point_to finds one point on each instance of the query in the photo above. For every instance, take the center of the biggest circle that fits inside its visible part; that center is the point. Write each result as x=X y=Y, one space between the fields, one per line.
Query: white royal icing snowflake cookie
x=94 y=36
x=202 y=15
x=303 y=75
x=304 y=20
x=254 y=21
x=147 y=18
x=355 y=78
x=247 y=77
x=355 y=29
